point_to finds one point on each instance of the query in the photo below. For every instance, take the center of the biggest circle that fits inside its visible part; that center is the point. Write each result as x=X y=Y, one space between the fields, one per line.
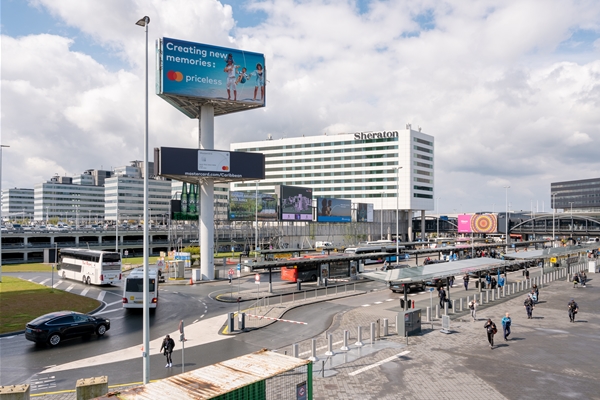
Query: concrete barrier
x=359 y=335
x=14 y=392
x=90 y=388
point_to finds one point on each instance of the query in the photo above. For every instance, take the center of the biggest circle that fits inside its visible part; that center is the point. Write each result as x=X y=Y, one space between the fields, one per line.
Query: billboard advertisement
x=333 y=210
x=243 y=206
x=296 y=203
x=188 y=165
x=201 y=71
x=364 y=212
x=478 y=223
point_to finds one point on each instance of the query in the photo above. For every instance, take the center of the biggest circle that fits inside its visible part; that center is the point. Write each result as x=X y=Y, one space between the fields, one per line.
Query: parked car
x=398 y=287
x=54 y=327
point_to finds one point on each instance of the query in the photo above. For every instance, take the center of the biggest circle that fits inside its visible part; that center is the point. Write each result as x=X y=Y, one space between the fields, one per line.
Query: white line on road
x=366 y=305
x=109 y=311
x=377 y=364
x=57 y=283
x=195 y=321
x=69 y=288
x=101 y=295
x=84 y=292
x=378 y=302
x=389 y=299
x=319 y=348
x=44 y=281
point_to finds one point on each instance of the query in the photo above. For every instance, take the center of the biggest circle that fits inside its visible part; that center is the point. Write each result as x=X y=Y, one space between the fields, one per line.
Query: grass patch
x=22 y=301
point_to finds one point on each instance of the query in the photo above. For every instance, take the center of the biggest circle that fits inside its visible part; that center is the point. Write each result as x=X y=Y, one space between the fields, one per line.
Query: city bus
x=375 y=249
x=133 y=289
x=91 y=267
x=303 y=272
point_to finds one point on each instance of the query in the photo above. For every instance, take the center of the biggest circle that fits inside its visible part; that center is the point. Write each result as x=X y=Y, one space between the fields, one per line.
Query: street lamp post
x=146 y=321
x=571 y=203
x=506 y=218
x=397 y=212
x=1 y=220
x=553 y=215
x=381 y=216
x=117 y=220
x=437 y=209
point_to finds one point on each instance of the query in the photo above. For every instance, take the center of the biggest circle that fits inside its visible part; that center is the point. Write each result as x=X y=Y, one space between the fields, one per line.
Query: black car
x=53 y=327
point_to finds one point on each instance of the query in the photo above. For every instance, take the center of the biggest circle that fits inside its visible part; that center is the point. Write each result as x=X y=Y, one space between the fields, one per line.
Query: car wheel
x=87 y=281
x=83 y=280
x=54 y=339
x=101 y=330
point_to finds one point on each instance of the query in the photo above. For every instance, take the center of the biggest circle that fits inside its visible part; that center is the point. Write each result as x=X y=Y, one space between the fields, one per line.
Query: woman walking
x=491 y=330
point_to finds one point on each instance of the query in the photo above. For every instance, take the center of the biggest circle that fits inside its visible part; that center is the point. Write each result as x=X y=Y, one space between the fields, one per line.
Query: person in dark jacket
x=168 y=345
x=528 y=304
x=442 y=295
x=573 y=309
x=491 y=330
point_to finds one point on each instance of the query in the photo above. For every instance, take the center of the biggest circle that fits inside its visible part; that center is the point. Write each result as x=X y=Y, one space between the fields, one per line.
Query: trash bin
x=299 y=284
x=412 y=322
x=196 y=274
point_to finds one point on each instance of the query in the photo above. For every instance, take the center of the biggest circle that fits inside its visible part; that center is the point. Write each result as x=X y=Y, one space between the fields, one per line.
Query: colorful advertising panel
x=188 y=70
x=333 y=210
x=296 y=203
x=364 y=212
x=478 y=223
x=243 y=206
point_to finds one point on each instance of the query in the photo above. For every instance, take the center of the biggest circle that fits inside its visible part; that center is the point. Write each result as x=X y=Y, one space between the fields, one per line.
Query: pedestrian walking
x=491 y=330
x=473 y=307
x=528 y=304
x=442 y=295
x=575 y=280
x=488 y=281
x=536 y=290
x=573 y=309
x=451 y=281
x=168 y=345
x=506 y=321
x=582 y=278
x=466 y=281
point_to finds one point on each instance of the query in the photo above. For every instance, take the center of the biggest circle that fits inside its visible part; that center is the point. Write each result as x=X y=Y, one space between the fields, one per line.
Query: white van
x=133 y=289
x=321 y=244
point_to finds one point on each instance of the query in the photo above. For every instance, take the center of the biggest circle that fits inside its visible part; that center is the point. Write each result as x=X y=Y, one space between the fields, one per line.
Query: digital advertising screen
x=333 y=210
x=243 y=206
x=364 y=212
x=464 y=223
x=296 y=203
x=478 y=223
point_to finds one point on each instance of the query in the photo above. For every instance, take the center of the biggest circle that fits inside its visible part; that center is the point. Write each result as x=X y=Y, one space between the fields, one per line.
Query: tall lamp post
x=146 y=321
x=571 y=203
x=1 y=220
x=397 y=212
x=437 y=209
x=553 y=215
x=381 y=216
x=506 y=218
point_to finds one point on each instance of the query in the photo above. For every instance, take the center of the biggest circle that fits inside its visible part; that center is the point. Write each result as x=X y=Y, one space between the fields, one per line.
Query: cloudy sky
x=510 y=89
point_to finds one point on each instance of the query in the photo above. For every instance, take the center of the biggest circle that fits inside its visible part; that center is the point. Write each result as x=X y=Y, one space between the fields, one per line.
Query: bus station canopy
x=462 y=247
x=314 y=259
x=550 y=252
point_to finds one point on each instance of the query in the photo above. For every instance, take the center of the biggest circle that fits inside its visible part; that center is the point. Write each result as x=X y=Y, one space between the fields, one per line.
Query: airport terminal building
x=390 y=169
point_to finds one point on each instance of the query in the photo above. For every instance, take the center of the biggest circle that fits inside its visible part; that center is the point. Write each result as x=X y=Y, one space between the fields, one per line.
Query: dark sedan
x=54 y=327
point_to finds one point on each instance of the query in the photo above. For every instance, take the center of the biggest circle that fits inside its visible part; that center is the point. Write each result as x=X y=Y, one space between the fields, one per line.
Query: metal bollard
x=437 y=311
x=468 y=299
x=372 y=332
x=345 y=346
x=460 y=304
x=487 y=296
x=446 y=308
x=499 y=294
x=493 y=294
x=454 y=306
x=329 y=351
x=313 y=349
x=514 y=288
x=398 y=322
x=385 y=327
x=295 y=350
x=359 y=337
x=428 y=314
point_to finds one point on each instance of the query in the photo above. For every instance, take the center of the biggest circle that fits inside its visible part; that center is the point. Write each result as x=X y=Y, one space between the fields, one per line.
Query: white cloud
x=485 y=79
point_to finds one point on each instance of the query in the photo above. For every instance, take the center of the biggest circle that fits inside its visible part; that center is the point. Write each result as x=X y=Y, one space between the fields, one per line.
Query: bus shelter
x=555 y=256
x=277 y=254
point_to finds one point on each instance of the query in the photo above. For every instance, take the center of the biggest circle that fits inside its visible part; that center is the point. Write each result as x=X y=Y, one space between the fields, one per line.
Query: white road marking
x=114 y=302
x=378 y=302
x=69 y=288
x=389 y=300
x=101 y=295
x=377 y=364
x=42 y=282
x=366 y=305
x=57 y=283
x=196 y=321
x=84 y=292
x=109 y=311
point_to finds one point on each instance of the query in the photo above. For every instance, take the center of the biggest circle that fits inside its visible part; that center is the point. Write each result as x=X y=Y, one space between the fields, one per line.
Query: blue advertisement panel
x=243 y=206
x=333 y=210
x=202 y=71
x=296 y=203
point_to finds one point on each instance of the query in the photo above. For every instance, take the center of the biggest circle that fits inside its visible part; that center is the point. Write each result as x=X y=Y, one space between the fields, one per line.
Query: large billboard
x=333 y=210
x=478 y=223
x=244 y=206
x=189 y=165
x=296 y=203
x=196 y=71
x=364 y=212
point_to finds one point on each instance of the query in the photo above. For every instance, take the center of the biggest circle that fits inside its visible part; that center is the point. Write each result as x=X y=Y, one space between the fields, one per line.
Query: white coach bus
x=133 y=289
x=91 y=267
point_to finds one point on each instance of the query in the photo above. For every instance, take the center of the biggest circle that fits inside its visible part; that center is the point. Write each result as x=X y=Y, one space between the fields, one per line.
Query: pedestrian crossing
x=76 y=288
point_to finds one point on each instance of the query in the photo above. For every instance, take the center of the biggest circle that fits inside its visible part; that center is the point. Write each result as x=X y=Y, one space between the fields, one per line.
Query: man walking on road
x=506 y=321
x=168 y=344
x=573 y=309
x=528 y=304
x=491 y=330
x=466 y=281
x=473 y=308
x=442 y=294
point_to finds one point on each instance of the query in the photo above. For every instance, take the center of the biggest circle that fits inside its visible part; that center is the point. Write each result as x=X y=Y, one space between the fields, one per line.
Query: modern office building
x=390 y=169
x=125 y=192
x=17 y=203
x=68 y=201
x=581 y=195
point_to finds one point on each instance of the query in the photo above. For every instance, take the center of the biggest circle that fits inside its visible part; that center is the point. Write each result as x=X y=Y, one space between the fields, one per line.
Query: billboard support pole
x=206 y=133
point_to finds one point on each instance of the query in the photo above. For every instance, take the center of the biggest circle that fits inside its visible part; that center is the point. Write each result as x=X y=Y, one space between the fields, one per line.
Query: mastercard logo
x=225 y=168
x=175 y=76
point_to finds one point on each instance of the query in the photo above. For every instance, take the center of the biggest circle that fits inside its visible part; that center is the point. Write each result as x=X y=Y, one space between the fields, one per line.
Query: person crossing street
x=573 y=309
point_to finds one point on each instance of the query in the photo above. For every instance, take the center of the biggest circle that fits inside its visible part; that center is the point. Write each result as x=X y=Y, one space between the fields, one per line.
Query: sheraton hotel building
x=393 y=170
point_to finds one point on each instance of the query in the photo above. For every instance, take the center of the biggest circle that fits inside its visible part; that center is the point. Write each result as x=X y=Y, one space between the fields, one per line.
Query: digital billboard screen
x=364 y=212
x=333 y=210
x=296 y=203
x=478 y=223
x=464 y=223
x=243 y=206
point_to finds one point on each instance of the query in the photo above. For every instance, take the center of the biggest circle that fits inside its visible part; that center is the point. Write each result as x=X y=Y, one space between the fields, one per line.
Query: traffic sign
x=126 y=252
x=257 y=279
x=431 y=289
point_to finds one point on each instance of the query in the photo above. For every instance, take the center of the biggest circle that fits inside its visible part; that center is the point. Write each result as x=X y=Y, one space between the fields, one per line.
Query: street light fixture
x=1 y=220
x=397 y=169
x=146 y=321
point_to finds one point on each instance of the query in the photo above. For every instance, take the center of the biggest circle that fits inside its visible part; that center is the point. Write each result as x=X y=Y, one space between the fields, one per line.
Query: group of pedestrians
x=579 y=278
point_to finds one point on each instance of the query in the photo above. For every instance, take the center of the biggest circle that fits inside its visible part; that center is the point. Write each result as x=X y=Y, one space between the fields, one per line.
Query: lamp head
x=144 y=21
